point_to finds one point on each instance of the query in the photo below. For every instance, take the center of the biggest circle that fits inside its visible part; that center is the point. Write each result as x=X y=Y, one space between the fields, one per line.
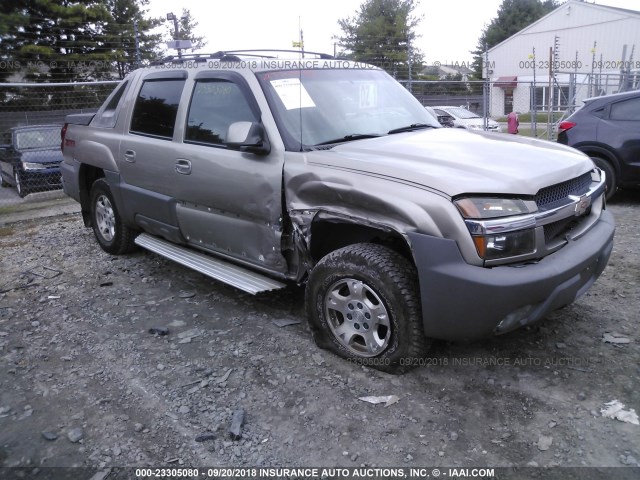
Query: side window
x=216 y=104
x=626 y=110
x=107 y=117
x=156 y=107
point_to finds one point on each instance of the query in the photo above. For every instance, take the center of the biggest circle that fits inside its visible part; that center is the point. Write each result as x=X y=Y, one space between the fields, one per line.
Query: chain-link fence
x=31 y=116
x=541 y=103
x=432 y=93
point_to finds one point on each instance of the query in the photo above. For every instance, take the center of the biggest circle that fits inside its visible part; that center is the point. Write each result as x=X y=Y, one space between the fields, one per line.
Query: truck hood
x=455 y=161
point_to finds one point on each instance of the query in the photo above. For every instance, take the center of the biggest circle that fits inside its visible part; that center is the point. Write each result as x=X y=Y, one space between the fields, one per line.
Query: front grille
x=562 y=228
x=549 y=197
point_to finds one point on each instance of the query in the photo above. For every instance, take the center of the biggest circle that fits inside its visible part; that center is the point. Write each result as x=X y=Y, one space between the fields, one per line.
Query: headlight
x=493 y=237
x=511 y=244
x=33 y=166
x=481 y=208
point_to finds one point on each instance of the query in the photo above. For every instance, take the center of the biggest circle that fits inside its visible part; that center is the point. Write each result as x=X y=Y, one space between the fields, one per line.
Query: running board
x=239 y=277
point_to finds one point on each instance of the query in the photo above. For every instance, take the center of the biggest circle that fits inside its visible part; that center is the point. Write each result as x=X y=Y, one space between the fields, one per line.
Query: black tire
x=387 y=285
x=610 y=172
x=20 y=187
x=113 y=236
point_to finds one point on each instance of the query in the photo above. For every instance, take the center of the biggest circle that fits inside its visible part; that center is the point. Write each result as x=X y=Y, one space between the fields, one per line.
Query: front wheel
x=112 y=235
x=20 y=188
x=362 y=303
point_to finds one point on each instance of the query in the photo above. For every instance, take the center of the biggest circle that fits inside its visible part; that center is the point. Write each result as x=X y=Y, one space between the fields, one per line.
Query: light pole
x=176 y=35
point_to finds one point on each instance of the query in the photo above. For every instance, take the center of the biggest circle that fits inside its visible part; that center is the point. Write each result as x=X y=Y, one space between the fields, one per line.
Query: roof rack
x=234 y=55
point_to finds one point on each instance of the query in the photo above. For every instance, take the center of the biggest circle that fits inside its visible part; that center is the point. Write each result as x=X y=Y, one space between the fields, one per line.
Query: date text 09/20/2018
x=271 y=473
x=578 y=65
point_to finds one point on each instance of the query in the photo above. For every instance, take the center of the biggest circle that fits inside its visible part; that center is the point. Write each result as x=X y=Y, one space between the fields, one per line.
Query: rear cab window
x=107 y=116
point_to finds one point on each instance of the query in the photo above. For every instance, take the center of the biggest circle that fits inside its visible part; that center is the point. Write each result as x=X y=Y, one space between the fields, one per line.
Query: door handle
x=130 y=156
x=183 y=166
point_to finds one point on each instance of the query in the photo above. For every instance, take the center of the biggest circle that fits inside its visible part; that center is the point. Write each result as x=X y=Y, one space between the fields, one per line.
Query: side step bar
x=239 y=277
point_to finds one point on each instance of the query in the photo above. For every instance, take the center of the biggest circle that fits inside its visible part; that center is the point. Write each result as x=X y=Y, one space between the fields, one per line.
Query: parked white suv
x=463 y=118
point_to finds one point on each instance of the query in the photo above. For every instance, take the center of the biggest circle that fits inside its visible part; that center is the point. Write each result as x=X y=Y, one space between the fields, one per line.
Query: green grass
x=527 y=131
x=7 y=231
x=9 y=209
x=526 y=117
x=26 y=206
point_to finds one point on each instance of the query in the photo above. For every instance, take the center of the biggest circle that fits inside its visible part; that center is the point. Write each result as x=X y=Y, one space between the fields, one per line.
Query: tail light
x=566 y=125
x=63 y=132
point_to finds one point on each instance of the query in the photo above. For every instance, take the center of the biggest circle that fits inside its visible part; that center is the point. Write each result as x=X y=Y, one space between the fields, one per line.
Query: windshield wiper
x=348 y=138
x=410 y=128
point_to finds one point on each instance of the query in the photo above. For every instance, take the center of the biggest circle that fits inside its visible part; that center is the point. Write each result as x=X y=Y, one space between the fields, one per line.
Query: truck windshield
x=315 y=107
x=38 y=138
x=462 y=113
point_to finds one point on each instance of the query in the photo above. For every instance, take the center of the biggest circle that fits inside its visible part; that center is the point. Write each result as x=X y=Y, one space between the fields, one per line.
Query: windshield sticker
x=292 y=93
x=368 y=95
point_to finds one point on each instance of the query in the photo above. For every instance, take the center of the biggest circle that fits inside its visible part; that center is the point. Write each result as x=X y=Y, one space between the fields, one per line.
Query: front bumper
x=465 y=302
x=43 y=179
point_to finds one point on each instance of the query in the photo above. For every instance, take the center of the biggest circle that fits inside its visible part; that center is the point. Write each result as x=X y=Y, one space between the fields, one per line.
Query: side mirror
x=248 y=137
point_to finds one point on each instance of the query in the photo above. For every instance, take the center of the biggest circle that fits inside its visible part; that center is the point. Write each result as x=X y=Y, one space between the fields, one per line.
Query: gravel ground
x=83 y=382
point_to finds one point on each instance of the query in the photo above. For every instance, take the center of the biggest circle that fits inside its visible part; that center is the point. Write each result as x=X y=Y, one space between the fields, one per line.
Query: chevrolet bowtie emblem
x=582 y=205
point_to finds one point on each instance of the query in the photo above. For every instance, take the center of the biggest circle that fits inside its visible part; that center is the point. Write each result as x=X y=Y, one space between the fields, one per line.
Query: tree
x=12 y=21
x=48 y=39
x=127 y=16
x=382 y=33
x=513 y=16
x=186 y=31
x=73 y=40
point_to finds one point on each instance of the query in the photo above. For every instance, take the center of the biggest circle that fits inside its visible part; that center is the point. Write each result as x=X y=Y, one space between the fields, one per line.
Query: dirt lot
x=84 y=383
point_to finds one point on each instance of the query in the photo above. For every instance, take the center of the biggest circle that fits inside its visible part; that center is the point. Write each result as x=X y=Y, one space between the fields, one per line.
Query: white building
x=596 y=50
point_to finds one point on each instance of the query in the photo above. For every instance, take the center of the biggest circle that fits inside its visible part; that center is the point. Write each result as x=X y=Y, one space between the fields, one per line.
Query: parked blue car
x=30 y=158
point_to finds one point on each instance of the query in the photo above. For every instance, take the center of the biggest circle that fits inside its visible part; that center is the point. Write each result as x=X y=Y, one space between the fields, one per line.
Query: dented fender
x=315 y=190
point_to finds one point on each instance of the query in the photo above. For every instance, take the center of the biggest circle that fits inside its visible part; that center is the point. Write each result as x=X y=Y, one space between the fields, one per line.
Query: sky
x=448 y=31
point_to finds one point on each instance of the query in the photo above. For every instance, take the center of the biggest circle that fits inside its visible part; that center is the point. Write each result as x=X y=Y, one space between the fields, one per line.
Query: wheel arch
x=320 y=233
x=87 y=175
x=601 y=151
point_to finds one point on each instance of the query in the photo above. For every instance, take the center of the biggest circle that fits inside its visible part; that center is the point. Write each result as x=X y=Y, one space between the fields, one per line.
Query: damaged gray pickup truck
x=259 y=171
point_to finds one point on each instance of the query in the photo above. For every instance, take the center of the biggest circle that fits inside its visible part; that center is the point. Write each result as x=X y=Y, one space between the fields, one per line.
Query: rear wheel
x=112 y=235
x=362 y=303
x=610 y=172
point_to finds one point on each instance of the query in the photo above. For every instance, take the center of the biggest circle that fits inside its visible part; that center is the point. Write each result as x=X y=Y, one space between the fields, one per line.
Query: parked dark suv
x=30 y=158
x=607 y=129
